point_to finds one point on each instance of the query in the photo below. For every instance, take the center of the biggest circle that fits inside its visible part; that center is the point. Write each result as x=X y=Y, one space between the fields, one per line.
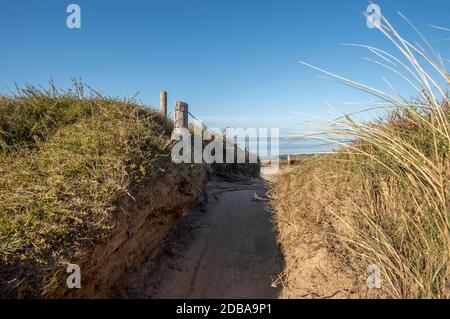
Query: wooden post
x=163 y=103
x=289 y=160
x=181 y=115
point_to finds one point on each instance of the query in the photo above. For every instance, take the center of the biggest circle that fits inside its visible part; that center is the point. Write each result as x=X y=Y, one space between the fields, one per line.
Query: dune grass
x=65 y=161
x=384 y=198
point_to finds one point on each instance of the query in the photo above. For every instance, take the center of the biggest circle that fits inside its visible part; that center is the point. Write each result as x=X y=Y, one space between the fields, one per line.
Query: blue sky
x=234 y=62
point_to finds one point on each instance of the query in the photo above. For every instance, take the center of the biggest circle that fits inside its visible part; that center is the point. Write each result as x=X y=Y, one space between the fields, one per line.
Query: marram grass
x=385 y=197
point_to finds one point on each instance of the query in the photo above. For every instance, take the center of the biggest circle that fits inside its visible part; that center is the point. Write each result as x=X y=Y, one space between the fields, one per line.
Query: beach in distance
x=289 y=146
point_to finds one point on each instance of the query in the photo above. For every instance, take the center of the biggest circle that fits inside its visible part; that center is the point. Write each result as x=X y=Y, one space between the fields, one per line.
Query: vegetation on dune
x=384 y=197
x=65 y=160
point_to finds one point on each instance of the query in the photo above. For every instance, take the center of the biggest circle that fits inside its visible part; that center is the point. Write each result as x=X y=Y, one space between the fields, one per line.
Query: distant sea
x=295 y=146
x=290 y=146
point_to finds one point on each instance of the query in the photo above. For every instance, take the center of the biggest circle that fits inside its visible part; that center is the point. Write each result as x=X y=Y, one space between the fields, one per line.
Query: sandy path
x=228 y=249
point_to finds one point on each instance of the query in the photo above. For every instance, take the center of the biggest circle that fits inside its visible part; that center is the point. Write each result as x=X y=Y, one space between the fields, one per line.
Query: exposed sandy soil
x=227 y=249
x=142 y=224
x=313 y=269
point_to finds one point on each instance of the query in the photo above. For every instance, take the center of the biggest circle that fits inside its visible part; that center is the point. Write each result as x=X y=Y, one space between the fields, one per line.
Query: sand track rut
x=227 y=249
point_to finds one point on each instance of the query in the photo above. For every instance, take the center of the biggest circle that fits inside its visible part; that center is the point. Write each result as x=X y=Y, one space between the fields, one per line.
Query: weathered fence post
x=181 y=115
x=163 y=103
x=289 y=160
